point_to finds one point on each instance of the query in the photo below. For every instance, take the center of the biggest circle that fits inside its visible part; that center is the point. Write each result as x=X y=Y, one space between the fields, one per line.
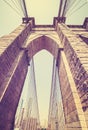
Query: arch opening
x=43 y=62
x=39 y=46
x=39 y=77
x=48 y=42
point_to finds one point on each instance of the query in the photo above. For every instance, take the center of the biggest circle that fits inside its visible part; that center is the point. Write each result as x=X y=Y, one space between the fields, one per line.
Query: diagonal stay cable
x=12 y=7
x=17 y=6
x=73 y=7
x=77 y=9
x=21 y=6
x=72 y=3
x=69 y=5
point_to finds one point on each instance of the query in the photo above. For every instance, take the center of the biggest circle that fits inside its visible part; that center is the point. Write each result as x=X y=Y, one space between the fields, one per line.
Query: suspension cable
x=64 y=8
x=60 y=8
x=21 y=6
x=74 y=5
x=35 y=92
x=17 y=5
x=69 y=4
x=25 y=9
x=77 y=9
x=12 y=8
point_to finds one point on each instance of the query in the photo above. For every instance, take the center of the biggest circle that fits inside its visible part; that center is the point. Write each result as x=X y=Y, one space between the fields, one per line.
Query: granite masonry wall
x=75 y=84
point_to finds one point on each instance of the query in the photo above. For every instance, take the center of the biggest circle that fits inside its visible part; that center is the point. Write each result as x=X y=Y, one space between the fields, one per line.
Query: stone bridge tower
x=69 y=45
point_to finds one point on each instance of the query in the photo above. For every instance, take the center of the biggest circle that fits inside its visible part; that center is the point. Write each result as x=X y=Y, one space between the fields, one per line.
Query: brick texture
x=76 y=51
x=13 y=70
x=14 y=83
x=73 y=71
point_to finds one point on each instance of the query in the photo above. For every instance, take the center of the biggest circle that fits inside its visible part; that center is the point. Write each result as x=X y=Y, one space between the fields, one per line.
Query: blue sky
x=43 y=11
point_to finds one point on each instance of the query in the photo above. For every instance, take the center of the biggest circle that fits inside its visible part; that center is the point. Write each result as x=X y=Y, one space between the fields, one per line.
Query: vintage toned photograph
x=43 y=64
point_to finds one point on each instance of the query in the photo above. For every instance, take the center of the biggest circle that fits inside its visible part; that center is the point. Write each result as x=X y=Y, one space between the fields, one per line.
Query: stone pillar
x=13 y=70
x=12 y=92
x=73 y=74
x=85 y=24
x=73 y=113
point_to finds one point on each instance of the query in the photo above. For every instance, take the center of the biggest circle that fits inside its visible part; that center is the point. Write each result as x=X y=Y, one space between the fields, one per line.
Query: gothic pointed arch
x=39 y=42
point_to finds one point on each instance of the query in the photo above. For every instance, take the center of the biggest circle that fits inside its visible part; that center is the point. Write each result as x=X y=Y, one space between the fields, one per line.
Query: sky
x=43 y=73
x=43 y=11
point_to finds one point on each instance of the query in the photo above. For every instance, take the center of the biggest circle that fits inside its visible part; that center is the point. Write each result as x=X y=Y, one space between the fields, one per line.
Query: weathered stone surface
x=9 y=49
x=13 y=69
x=12 y=91
x=76 y=51
x=71 y=102
x=20 y=46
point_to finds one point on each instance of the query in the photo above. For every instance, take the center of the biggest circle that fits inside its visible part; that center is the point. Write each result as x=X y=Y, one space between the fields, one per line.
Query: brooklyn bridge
x=68 y=45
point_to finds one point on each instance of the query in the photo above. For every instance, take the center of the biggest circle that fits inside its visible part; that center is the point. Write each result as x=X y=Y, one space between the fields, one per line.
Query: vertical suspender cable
x=64 y=8
x=60 y=8
x=25 y=9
